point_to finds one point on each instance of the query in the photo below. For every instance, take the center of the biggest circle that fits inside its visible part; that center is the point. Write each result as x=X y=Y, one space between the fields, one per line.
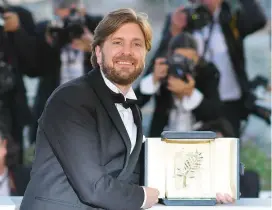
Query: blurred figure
x=13 y=176
x=185 y=88
x=220 y=32
x=64 y=50
x=17 y=50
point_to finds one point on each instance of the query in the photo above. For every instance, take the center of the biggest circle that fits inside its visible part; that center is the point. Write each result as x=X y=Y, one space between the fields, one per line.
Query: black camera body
x=197 y=17
x=64 y=31
x=180 y=66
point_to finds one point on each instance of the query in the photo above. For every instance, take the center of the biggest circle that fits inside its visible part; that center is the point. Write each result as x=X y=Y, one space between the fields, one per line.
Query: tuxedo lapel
x=137 y=149
x=103 y=93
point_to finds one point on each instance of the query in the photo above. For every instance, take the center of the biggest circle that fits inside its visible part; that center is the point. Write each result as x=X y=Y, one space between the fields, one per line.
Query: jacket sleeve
x=211 y=106
x=251 y=18
x=71 y=129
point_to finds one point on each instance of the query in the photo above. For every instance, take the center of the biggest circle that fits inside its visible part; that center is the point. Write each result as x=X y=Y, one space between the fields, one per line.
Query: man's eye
x=138 y=44
x=117 y=42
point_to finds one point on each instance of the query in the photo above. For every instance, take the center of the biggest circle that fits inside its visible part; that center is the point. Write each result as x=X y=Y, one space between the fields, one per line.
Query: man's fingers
x=229 y=198
x=220 y=198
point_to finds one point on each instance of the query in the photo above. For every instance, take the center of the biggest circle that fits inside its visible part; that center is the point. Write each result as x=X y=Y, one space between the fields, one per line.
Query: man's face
x=122 y=56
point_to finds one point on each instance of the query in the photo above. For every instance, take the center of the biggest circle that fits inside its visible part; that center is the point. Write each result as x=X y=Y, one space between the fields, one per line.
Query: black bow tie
x=118 y=98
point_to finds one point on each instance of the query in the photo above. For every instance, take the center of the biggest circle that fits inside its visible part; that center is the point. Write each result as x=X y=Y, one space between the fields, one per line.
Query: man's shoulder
x=75 y=91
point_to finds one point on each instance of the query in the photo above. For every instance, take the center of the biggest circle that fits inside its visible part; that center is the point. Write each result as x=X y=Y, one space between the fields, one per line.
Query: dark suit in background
x=83 y=158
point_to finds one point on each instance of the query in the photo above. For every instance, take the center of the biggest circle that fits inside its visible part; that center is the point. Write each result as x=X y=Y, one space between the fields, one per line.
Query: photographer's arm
x=251 y=18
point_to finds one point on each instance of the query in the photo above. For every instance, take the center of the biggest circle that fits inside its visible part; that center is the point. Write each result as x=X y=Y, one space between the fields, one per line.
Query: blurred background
x=256 y=133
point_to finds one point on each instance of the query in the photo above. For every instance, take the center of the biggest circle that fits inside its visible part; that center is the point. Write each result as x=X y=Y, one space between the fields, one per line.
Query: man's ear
x=98 y=53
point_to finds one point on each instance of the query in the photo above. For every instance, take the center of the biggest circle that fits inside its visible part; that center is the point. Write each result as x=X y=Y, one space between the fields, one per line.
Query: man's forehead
x=132 y=38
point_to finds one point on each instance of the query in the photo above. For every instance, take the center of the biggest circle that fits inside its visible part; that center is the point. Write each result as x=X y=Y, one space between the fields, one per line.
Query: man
x=221 y=42
x=59 y=62
x=88 y=143
x=186 y=101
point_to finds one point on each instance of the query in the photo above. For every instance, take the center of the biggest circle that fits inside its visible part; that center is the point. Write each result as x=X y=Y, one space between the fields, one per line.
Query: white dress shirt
x=126 y=116
x=217 y=52
x=180 y=118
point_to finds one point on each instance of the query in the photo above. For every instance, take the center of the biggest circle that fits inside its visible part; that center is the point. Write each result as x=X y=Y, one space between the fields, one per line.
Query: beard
x=116 y=76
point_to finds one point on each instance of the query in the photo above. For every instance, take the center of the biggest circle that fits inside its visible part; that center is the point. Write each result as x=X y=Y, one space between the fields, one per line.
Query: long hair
x=113 y=21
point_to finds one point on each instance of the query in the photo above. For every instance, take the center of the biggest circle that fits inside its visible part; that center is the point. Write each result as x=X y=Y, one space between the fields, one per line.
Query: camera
x=64 y=31
x=7 y=77
x=180 y=66
x=197 y=17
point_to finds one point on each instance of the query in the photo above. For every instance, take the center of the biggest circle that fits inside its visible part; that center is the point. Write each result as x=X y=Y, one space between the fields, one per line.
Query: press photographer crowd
x=197 y=75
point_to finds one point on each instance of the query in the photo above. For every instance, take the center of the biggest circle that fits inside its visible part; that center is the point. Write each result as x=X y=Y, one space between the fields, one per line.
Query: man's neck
x=123 y=88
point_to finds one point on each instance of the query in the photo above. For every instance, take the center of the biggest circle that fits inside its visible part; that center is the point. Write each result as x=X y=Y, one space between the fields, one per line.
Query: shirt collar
x=130 y=94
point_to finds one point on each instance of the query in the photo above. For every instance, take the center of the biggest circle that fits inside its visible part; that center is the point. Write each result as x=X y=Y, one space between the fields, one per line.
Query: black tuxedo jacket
x=83 y=158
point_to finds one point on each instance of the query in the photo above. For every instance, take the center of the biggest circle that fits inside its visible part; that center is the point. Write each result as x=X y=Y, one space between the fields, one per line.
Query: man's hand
x=178 y=21
x=12 y=22
x=160 y=69
x=85 y=42
x=224 y=198
x=179 y=87
x=152 y=197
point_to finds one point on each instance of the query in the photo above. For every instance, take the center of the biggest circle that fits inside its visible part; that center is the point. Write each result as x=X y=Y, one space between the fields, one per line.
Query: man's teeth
x=125 y=63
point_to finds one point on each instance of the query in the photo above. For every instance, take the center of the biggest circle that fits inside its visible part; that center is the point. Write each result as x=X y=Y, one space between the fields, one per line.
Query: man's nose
x=127 y=49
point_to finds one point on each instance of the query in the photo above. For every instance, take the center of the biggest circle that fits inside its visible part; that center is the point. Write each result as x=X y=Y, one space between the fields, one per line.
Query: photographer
x=17 y=51
x=64 y=50
x=220 y=33
x=185 y=88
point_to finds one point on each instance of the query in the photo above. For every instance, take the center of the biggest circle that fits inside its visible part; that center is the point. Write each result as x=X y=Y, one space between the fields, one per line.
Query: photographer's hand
x=160 y=70
x=12 y=22
x=181 y=88
x=85 y=42
x=178 y=21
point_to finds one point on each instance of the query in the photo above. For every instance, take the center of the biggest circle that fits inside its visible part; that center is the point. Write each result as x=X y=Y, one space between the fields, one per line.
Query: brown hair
x=113 y=21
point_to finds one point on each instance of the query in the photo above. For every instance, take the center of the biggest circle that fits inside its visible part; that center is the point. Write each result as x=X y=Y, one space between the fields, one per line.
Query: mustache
x=126 y=58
